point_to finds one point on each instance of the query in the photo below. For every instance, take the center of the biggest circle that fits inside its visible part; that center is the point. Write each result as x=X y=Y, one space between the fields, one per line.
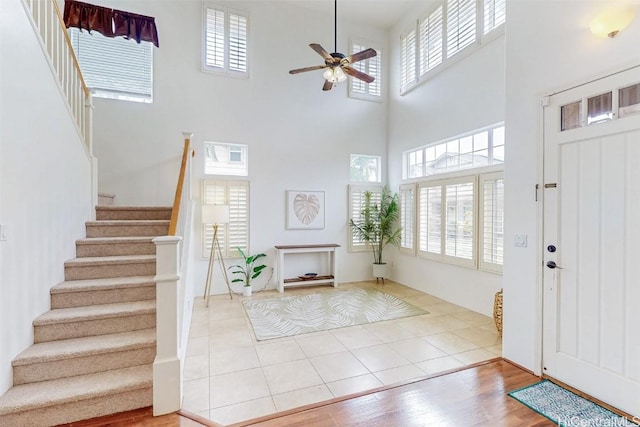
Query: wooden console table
x=328 y=249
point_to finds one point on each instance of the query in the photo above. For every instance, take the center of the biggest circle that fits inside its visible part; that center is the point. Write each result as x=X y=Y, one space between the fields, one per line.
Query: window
x=407 y=201
x=495 y=13
x=235 y=234
x=481 y=148
x=225 y=159
x=372 y=67
x=492 y=221
x=446 y=226
x=451 y=27
x=114 y=68
x=431 y=41
x=226 y=34
x=461 y=25
x=356 y=205
x=365 y=168
x=408 y=46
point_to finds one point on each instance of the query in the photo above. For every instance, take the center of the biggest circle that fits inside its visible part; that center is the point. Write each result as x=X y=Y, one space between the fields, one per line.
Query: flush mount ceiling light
x=338 y=65
x=613 y=20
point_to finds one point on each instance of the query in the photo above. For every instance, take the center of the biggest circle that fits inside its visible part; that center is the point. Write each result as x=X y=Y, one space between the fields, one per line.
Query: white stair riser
x=98 y=270
x=70 y=367
x=103 y=230
x=85 y=328
x=114 y=249
x=108 y=296
x=81 y=409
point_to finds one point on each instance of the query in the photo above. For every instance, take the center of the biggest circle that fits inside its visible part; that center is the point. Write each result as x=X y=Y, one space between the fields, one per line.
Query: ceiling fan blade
x=302 y=70
x=321 y=51
x=365 y=54
x=358 y=74
x=327 y=85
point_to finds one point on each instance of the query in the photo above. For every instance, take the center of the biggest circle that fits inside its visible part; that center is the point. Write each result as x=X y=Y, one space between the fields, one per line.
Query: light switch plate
x=520 y=240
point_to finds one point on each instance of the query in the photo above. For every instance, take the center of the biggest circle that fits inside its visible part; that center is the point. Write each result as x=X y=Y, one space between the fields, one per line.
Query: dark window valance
x=133 y=26
x=110 y=22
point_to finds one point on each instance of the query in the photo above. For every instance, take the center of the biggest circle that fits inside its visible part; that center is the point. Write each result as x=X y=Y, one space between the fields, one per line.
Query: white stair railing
x=172 y=303
x=55 y=40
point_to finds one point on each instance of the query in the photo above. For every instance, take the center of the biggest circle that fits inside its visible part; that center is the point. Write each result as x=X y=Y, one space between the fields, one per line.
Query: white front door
x=591 y=279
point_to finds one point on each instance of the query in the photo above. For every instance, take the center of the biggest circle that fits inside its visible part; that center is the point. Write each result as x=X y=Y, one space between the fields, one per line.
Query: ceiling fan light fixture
x=329 y=75
x=339 y=74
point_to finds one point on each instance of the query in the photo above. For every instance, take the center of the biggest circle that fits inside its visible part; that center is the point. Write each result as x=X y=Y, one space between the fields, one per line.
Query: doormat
x=566 y=408
x=300 y=314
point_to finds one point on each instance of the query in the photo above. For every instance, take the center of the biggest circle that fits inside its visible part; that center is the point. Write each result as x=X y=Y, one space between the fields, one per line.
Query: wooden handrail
x=177 y=200
x=76 y=65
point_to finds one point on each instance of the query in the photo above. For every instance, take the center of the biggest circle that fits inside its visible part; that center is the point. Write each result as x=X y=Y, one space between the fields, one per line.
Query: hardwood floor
x=475 y=396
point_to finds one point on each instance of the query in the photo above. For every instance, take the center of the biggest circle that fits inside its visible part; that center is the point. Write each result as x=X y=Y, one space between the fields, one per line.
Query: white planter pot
x=380 y=270
x=246 y=291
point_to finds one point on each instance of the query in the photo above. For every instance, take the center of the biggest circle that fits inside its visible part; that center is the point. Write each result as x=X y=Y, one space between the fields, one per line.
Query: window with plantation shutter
x=430 y=219
x=356 y=205
x=408 y=48
x=492 y=221
x=495 y=13
x=460 y=223
x=431 y=40
x=114 y=68
x=226 y=34
x=407 y=201
x=461 y=25
x=372 y=67
x=446 y=224
x=234 y=234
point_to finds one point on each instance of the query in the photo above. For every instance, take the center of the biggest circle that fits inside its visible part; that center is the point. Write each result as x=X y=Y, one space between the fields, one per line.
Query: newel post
x=167 y=372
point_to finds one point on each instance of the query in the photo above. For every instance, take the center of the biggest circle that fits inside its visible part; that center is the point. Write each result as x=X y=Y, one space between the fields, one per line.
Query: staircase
x=93 y=352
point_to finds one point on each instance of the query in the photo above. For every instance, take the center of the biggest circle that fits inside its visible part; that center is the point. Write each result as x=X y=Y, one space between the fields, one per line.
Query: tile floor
x=230 y=377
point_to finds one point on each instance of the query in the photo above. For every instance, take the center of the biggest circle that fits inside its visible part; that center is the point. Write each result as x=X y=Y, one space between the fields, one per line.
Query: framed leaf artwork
x=305 y=210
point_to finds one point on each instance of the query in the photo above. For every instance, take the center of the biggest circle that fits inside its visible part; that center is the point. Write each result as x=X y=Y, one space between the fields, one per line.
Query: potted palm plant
x=247 y=271
x=377 y=227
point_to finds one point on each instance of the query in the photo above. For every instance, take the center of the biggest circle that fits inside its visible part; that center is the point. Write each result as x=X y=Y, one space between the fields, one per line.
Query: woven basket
x=497 y=311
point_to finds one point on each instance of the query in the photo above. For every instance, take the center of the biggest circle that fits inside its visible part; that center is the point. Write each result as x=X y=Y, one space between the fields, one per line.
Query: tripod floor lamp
x=215 y=215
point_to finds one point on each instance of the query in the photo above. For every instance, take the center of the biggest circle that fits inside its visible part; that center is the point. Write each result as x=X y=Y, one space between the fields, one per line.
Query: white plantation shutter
x=238 y=28
x=495 y=13
x=408 y=46
x=431 y=40
x=214 y=40
x=356 y=205
x=430 y=219
x=461 y=25
x=407 y=217
x=492 y=221
x=235 y=234
x=114 y=67
x=460 y=222
x=371 y=66
x=226 y=34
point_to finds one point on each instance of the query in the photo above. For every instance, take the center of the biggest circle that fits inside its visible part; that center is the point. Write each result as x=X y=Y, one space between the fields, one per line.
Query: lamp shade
x=215 y=214
x=616 y=18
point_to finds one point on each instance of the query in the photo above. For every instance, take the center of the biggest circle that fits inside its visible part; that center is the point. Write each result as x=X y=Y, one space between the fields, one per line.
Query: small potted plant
x=377 y=227
x=248 y=271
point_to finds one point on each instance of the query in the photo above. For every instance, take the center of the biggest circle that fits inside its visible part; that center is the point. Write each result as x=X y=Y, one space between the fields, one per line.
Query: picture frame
x=305 y=210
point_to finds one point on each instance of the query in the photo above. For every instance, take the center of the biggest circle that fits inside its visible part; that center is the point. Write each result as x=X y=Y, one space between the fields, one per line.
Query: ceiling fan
x=338 y=65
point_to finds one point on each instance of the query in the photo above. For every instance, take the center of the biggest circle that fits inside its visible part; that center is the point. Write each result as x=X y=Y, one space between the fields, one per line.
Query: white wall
x=541 y=59
x=45 y=184
x=463 y=96
x=299 y=137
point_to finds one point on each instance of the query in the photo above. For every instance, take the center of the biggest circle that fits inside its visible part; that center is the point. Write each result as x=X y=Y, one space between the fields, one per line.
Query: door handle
x=552 y=264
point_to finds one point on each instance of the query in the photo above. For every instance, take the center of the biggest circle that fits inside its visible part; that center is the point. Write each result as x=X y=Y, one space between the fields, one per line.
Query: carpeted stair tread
x=78 y=347
x=116 y=259
x=110 y=240
x=133 y=212
x=127 y=222
x=87 y=285
x=94 y=312
x=59 y=391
